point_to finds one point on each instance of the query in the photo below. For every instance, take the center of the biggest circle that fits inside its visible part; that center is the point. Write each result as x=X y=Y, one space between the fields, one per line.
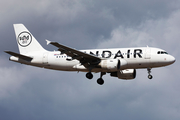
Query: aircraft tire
x=89 y=75
x=150 y=76
x=100 y=81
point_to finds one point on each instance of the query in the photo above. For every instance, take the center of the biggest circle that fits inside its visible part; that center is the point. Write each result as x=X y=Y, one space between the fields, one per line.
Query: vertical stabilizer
x=25 y=40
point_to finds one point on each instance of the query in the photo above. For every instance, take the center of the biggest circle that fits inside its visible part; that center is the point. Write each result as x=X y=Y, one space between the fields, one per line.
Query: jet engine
x=110 y=64
x=127 y=74
x=113 y=64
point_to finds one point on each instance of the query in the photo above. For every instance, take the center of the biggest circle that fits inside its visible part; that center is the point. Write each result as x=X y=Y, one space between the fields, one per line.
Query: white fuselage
x=130 y=58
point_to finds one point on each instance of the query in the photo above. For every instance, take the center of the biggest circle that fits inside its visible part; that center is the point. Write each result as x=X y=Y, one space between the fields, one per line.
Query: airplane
x=118 y=62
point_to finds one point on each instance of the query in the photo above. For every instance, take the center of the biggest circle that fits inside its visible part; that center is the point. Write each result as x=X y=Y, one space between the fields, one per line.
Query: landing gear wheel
x=89 y=75
x=150 y=76
x=100 y=81
x=149 y=72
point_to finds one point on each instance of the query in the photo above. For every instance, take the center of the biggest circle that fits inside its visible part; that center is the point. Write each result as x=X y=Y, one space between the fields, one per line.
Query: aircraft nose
x=171 y=59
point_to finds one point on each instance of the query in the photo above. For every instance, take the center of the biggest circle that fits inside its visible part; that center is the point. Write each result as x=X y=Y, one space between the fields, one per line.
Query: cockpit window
x=162 y=52
x=165 y=53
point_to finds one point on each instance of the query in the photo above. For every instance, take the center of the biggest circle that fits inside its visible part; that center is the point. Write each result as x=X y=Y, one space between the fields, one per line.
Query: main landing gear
x=89 y=75
x=149 y=72
x=100 y=81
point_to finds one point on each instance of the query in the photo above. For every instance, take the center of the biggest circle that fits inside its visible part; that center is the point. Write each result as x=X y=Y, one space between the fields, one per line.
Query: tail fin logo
x=24 y=39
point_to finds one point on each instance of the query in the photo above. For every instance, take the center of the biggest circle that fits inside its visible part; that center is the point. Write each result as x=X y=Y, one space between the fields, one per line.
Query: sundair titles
x=108 y=54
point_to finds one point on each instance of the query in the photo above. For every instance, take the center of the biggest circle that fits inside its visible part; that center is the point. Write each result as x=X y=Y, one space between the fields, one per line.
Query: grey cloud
x=80 y=21
x=158 y=33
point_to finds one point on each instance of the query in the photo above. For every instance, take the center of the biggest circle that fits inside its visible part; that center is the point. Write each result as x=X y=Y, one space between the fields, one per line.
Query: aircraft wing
x=19 y=55
x=76 y=54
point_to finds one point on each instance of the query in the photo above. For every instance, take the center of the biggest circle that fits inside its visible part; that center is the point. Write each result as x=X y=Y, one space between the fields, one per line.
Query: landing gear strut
x=100 y=81
x=149 y=72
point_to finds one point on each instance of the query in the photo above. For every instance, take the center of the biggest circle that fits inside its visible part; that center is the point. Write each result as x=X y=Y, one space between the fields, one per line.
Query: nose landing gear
x=150 y=76
x=149 y=72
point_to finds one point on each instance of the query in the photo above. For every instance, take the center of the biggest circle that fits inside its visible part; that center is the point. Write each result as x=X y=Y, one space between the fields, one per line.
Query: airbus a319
x=118 y=62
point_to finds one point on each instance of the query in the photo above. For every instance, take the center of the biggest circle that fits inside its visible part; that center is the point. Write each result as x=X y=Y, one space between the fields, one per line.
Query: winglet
x=48 y=42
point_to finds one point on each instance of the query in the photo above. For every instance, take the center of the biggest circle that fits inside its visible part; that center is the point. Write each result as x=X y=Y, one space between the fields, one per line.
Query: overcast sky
x=28 y=93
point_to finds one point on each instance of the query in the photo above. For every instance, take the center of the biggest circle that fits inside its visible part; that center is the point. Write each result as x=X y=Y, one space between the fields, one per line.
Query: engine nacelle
x=125 y=74
x=111 y=64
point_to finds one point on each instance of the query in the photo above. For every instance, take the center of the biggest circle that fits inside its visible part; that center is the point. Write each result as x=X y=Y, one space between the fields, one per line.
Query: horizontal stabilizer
x=19 y=55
